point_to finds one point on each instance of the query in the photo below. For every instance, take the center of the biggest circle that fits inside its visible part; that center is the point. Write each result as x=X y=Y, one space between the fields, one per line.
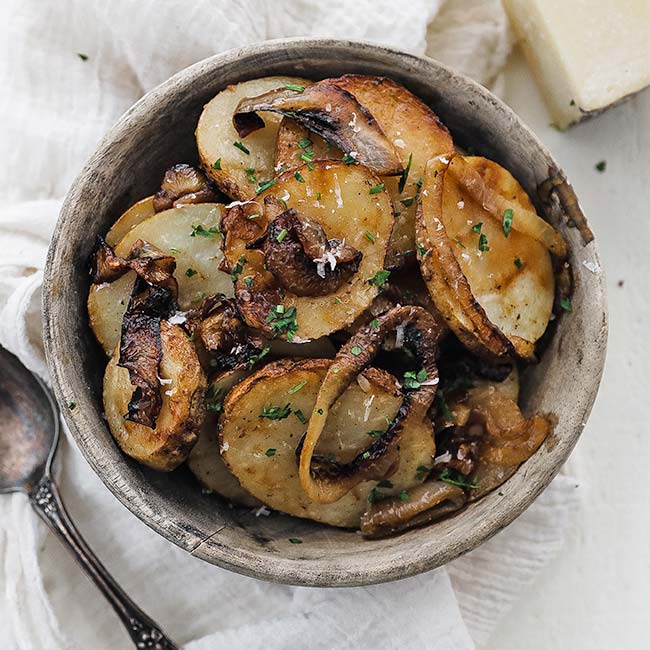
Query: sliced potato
x=261 y=452
x=216 y=135
x=509 y=276
x=183 y=387
x=338 y=197
x=205 y=460
x=136 y=214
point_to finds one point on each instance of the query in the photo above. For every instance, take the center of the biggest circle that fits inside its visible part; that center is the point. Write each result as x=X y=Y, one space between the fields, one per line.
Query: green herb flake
x=374 y=323
x=508 y=215
x=356 y=351
x=216 y=164
x=294 y=87
x=297 y=387
x=421 y=472
x=311 y=166
x=298 y=177
x=253 y=216
x=283 y=322
x=413 y=380
x=380 y=278
x=456 y=478
x=276 y=412
x=370 y=237
x=281 y=236
x=384 y=484
x=295 y=540
x=405 y=174
x=257 y=357
x=214 y=398
x=174 y=251
x=375 y=495
x=404 y=495
x=565 y=303
x=460 y=243
x=518 y=263
x=238 y=268
x=72 y=405
x=305 y=143
x=376 y=189
x=265 y=185
x=319 y=411
x=422 y=251
x=250 y=174
x=365 y=455
x=83 y=57
x=483 y=243
x=349 y=160
x=190 y=273
x=477 y=227
x=407 y=203
x=601 y=166
x=375 y=433
x=242 y=147
x=270 y=452
x=300 y=415
x=200 y=231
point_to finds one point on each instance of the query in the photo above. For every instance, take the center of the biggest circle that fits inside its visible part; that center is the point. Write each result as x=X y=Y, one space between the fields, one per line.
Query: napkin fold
x=55 y=106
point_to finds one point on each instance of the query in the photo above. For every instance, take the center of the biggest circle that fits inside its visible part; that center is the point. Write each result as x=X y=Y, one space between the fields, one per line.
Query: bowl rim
x=282 y=569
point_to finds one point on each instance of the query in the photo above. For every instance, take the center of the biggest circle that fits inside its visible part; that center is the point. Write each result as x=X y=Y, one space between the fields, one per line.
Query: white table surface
x=596 y=594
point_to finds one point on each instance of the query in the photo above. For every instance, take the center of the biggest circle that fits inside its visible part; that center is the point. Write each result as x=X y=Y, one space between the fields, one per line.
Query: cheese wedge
x=587 y=55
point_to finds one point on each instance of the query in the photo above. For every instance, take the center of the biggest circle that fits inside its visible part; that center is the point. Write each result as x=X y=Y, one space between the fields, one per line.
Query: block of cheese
x=586 y=54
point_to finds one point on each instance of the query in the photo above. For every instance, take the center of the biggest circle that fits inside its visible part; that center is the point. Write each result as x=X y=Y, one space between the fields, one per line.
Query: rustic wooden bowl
x=128 y=165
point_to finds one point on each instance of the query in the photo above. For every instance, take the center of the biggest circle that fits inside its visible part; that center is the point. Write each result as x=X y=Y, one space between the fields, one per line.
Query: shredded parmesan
x=367 y=403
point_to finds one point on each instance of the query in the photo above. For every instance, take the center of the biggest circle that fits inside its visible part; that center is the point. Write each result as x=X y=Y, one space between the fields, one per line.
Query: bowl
x=128 y=164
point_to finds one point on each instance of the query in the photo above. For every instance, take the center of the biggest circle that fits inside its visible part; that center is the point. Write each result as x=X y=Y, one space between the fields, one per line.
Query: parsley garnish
x=298 y=177
x=214 y=399
x=374 y=323
x=318 y=195
x=375 y=433
x=349 y=160
x=384 y=484
x=238 y=268
x=283 y=322
x=253 y=216
x=483 y=243
x=380 y=278
x=421 y=472
x=83 y=57
x=375 y=495
x=422 y=251
x=456 y=478
x=507 y=221
x=601 y=166
x=299 y=414
x=413 y=380
x=202 y=232
x=370 y=237
x=297 y=387
x=405 y=174
x=190 y=273
x=518 y=262
x=276 y=412
x=249 y=282
x=175 y=251
x=270 y=452
x=375 y=189
x=294 y=87
x=250 y=174
x=356 y=350
x=217 y=164
x=281 y=236
x=404 y=495
x=241 y=147
x=305 y=143
x=407 y=202
x=477 y=227
x=265 y=186
x=256 y=357
x=72 y=405
x=565 y=303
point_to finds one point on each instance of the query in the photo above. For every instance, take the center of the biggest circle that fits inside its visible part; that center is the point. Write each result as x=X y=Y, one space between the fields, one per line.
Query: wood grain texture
x=128 y=164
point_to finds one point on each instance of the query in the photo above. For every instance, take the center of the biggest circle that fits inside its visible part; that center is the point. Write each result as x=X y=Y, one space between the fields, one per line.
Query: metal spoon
x=29 y=432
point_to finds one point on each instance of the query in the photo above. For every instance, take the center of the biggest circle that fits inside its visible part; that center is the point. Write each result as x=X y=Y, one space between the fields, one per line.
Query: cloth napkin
x=67 y=71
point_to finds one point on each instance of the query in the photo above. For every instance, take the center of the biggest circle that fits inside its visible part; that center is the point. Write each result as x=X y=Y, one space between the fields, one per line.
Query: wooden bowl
x=128 y=165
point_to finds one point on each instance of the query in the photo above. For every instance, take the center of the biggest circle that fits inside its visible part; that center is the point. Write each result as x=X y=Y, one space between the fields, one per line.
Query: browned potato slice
x=216 y=135
x=292 y=150
x=261 y=452
x=205 y=460
x=197 y=256
x=136 y=214
x=338 y=197
x=183 y=387
x=511 y=276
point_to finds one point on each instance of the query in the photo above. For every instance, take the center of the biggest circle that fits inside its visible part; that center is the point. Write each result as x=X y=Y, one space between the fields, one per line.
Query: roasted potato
x=182 y=384
x=205 y=460
x=338 y=197
x=295 y=146
x=265 y=416
x=135 y=215
x=237 y=171
x=493 y=284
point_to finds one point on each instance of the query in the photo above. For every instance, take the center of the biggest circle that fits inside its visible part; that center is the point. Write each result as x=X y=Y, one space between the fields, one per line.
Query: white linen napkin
x=54 y=107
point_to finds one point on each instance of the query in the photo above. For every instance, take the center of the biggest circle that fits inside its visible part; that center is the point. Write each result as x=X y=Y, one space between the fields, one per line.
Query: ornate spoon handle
x=45 y=499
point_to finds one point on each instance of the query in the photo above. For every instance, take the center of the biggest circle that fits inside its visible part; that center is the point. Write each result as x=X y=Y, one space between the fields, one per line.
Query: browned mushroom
x=183 y=184
x=301 y=257
x=330 y=112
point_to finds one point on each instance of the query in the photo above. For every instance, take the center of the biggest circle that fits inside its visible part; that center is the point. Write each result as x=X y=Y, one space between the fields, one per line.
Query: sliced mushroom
x=302 y=259
x=330 y=112
x=182 y=185
x=325 y=481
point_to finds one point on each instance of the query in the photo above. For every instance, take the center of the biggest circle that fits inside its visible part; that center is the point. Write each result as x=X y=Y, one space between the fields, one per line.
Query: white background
x=596 y=594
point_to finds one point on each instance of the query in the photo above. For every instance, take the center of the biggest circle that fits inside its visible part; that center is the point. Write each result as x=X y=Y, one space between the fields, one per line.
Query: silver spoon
x=29 y=432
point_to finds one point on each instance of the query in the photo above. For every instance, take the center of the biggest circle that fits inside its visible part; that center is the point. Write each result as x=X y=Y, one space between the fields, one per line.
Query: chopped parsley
x=190 y=273
x=260 y=355
x=294 y=87
x=356 y=350
x=217 y=164
x=405 y=174
x=483 y=243
x=407 y=202
x=295 y=540
x=253 y=216
x=375 y=433
x=319 y=411
x=276 y=412
x=375 y=189
x=507 y=221
x=249 y=282
x=422 y=251
x=404 y=495
x=238 y=268
x=518 y=262
x=265 y=185
x=384 y=484
x=270 y=452
x=601 y=166
x=250 y=174
x=300 y=415
x=201 y=231
x=370 y=237
x=565 y=303
x=349 y=160
x=413 y=380
x=83 y=57
x=318 y=195
x=374 y=323
x=380 y=278
x=175 y=251
x=375 y=495
x=281 y=235
x=242 y=147
x=421 y=472
x=214 y=398
x=298 y=177
x=297 y=387
x=477 y=227
x=456 y=478
x=305 y=143
x=283 y=321
x=72 y=405
x=311 y=166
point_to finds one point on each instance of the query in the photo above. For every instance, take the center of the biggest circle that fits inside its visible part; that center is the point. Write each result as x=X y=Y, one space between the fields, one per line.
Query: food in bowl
x=329 y=318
